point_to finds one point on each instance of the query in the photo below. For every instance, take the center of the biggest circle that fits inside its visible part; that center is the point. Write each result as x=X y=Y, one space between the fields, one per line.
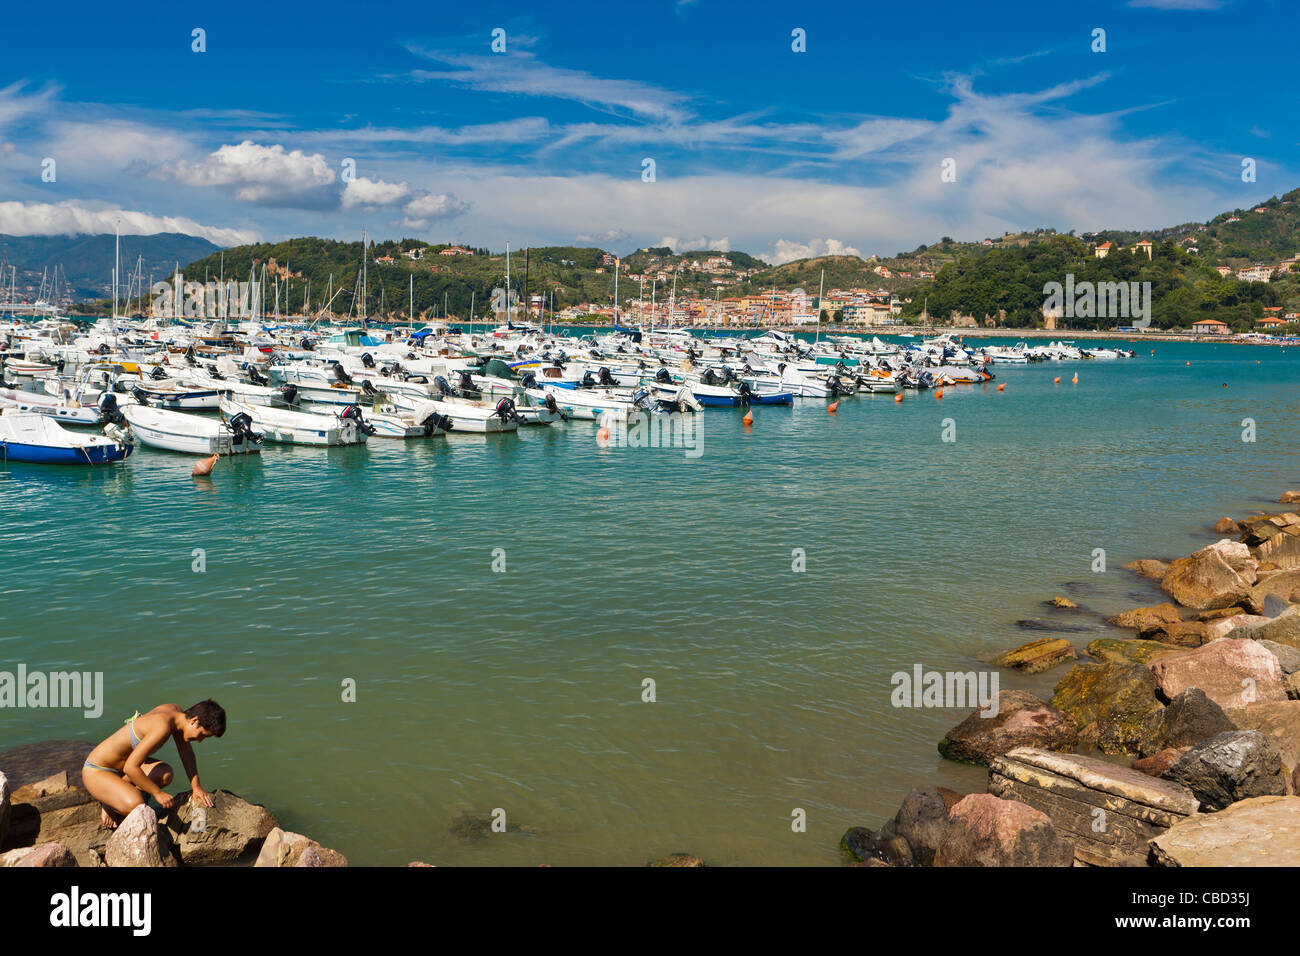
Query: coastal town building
x=1210 y=327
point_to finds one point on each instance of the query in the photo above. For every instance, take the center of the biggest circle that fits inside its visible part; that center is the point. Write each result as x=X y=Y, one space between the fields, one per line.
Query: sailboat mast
x=820 y=290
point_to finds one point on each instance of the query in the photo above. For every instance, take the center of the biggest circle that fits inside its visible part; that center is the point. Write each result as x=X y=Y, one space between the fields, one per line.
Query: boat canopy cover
x=633 y=334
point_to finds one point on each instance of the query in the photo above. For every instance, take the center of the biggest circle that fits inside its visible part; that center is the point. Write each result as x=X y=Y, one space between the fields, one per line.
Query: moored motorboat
x=39 y=439
x=190 y=434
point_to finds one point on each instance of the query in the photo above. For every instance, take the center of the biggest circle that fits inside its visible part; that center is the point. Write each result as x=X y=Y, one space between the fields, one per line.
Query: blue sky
x=756 y=147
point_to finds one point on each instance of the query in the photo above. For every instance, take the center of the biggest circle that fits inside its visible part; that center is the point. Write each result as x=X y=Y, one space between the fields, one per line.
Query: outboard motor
x=59 y=365
x=605 y=377
x=241 y=427
x=528 y=380
x=341 y=374
x=588 y=381
x=215 y=372
x=367 y=388
x=726 y=375
x=443 y=385
x=745 y=392
x=367 y=360
x=554 y=408
x=158 y=374
x=467 y=381
x=140 y=396
x=664 y=376
x=256 y=377
x=708 y=378
x=306 y=345
x=435 y=421
x=289 y=393
x=353 y=413
x=640 y=364
x=109 y=413
x=835 y=385
x=506 y=411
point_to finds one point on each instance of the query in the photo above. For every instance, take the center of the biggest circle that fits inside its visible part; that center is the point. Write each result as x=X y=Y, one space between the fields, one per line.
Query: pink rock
x=1233 y=672
x=135 y=842
x=1224 y=625
x=985 y=830
x=45 y=855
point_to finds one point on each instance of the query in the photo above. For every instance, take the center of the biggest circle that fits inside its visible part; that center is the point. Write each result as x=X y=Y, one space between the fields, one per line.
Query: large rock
x=1190 y=718
x=1263 y=831
x=922 y=821
x=1215 y=576
x=1022 y=720
x=987 y=831
x=1181 y=633
x=1145 y=618
x=1105 y=811
x=1279 y=721
x=1289 y=498
x=1281 y=550
x=1232 y=672
x=1233 y=766
x=1287 y=656
x=1135 y=651
x=1226 y=625
x=47 y=855
x=234 y=830
x=1109 y=703
x=1283 y=629
x=1283 y=587
x=138 y=842
x=1148 y=568
x=291 y=849
x=1038 y=656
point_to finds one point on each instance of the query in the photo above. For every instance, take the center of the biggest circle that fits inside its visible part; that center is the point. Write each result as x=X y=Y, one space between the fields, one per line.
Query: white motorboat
x=176 y=431
x=302 y=428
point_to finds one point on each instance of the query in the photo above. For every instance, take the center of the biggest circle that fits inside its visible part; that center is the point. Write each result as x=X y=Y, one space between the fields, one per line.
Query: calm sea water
x=522 y=690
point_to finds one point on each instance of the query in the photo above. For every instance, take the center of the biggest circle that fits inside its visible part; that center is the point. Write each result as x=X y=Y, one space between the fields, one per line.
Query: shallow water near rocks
x=522 y=690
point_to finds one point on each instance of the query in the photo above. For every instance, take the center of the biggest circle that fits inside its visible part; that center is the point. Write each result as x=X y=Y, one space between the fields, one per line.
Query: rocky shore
x=1176 y=746
x=47 y=819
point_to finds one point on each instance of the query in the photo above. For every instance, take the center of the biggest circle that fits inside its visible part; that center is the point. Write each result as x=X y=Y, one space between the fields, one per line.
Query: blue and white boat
x=41 y=440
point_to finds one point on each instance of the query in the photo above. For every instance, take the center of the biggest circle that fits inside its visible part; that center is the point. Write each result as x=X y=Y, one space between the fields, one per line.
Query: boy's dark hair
x=211 y=715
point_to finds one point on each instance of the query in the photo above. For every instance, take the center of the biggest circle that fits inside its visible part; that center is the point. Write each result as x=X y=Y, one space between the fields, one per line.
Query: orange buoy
x=938 y=393
x=1189 y=364
x=204 y=467
x=832 y=408
x=1075 y=380
x=897 y=399
x=1002 y=386
x=1057 y=380
x=748 y=419
x=602 y=435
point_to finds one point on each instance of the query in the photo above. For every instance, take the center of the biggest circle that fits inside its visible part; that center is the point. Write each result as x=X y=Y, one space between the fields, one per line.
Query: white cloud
x=788 y=250
x=373 y=192
x=269 y=175
x=521 y=72
x=702 y=244
x=74 y=217
x=422 y=210
x=608 y=236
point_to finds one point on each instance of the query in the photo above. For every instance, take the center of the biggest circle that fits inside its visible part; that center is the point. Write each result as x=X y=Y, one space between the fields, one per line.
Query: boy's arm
x=134 y=772
x=191 y=766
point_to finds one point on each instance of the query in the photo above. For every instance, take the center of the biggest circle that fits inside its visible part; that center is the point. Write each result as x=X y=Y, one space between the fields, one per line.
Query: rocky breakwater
x=1188 y=732
x=47 y=819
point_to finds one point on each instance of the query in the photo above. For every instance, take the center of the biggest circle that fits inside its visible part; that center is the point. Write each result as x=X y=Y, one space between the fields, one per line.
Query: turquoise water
x=522 y=690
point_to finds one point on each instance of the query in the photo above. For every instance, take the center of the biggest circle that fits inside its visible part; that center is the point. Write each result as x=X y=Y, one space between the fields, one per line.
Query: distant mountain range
x=86 y=262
